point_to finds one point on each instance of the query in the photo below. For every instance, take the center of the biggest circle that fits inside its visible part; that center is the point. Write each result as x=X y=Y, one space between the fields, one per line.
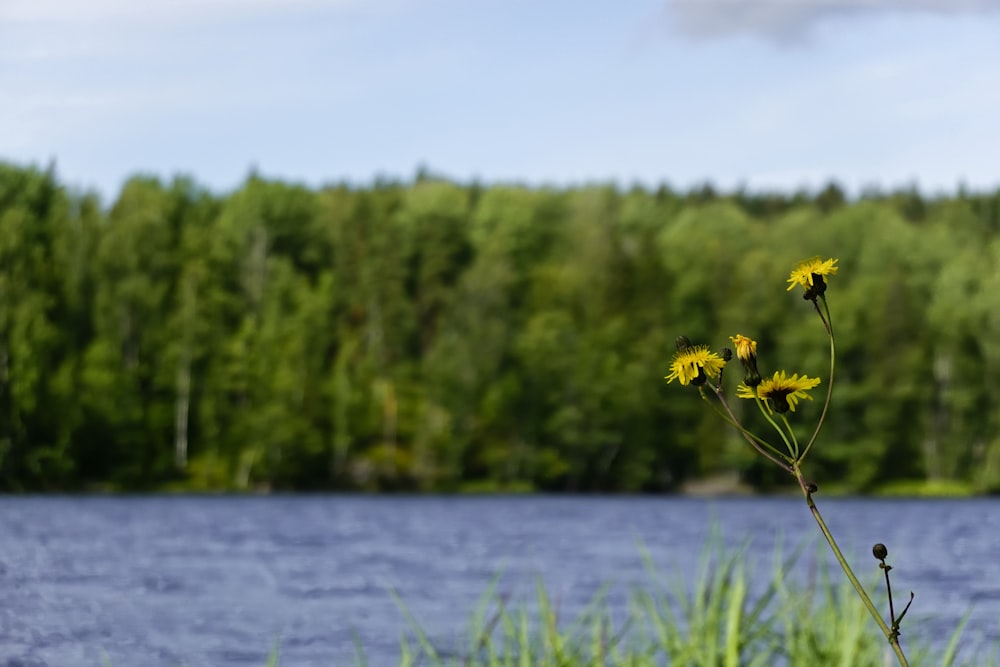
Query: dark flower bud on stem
x=879 y=551
x=726 y=354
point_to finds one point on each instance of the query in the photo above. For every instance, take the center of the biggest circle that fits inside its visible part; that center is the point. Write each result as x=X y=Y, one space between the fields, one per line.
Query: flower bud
x=879 y=551
x=746 y=351
x=726 y=354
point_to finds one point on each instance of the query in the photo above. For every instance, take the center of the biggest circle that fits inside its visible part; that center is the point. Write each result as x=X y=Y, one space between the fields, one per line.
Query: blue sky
x=778 y=94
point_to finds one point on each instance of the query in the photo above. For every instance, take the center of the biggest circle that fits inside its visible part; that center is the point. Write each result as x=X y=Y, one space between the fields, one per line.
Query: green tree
x=33 y=215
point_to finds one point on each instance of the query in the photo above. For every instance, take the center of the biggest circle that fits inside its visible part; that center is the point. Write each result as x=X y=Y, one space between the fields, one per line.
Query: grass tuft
x=719 y=618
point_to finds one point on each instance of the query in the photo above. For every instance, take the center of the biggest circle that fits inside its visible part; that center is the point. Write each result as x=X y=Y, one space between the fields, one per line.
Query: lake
x=217 y=581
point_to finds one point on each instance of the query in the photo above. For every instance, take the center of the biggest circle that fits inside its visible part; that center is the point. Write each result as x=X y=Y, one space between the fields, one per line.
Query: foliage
x=438 y=336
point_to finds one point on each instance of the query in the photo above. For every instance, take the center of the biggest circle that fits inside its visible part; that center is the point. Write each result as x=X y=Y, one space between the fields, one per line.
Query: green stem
x=767 y=415
x=791 y=434
x=889 y=634
x=829 y=383
x=757 y=443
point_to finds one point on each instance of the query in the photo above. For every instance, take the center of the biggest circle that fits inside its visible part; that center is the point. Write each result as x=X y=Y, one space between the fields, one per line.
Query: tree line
x=436 y=336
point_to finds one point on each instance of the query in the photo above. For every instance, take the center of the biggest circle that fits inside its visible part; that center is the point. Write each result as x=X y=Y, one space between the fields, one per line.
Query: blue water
x=218 y=581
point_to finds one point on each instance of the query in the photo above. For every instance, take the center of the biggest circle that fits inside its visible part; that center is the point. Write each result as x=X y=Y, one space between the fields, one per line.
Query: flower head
x=810 y=274
x=746 y=351
x=694 y=364
x=746 y=348
x=784 y=391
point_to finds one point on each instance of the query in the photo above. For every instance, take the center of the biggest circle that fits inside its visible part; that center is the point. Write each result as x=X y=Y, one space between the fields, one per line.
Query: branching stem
x=757 y=442
x=764 y=410
x=891 y=634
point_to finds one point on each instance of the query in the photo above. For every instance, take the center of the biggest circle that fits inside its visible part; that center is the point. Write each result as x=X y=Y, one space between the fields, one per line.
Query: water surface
x=217 y=581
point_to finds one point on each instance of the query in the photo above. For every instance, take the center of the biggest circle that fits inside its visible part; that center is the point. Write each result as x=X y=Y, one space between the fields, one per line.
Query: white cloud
x=792 y=20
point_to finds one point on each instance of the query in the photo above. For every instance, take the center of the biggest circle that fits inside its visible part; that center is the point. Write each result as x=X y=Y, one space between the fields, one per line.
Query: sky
x=766 y=95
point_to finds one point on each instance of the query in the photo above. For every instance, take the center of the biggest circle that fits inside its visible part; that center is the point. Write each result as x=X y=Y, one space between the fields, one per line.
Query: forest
x=430 y=335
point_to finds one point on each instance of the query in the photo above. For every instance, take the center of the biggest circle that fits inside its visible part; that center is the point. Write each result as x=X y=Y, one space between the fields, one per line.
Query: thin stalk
x=827 y=322
x=757 y=443
x=791 y=434
x=892 y=637
x=888 y=590
x=731 y=419
x=767 y=415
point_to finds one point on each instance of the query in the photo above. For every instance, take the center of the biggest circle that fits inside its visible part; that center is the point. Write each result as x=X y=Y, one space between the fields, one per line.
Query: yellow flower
x=746 y=349
x=694 y=364
x=783 y=391
x=807 y=272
